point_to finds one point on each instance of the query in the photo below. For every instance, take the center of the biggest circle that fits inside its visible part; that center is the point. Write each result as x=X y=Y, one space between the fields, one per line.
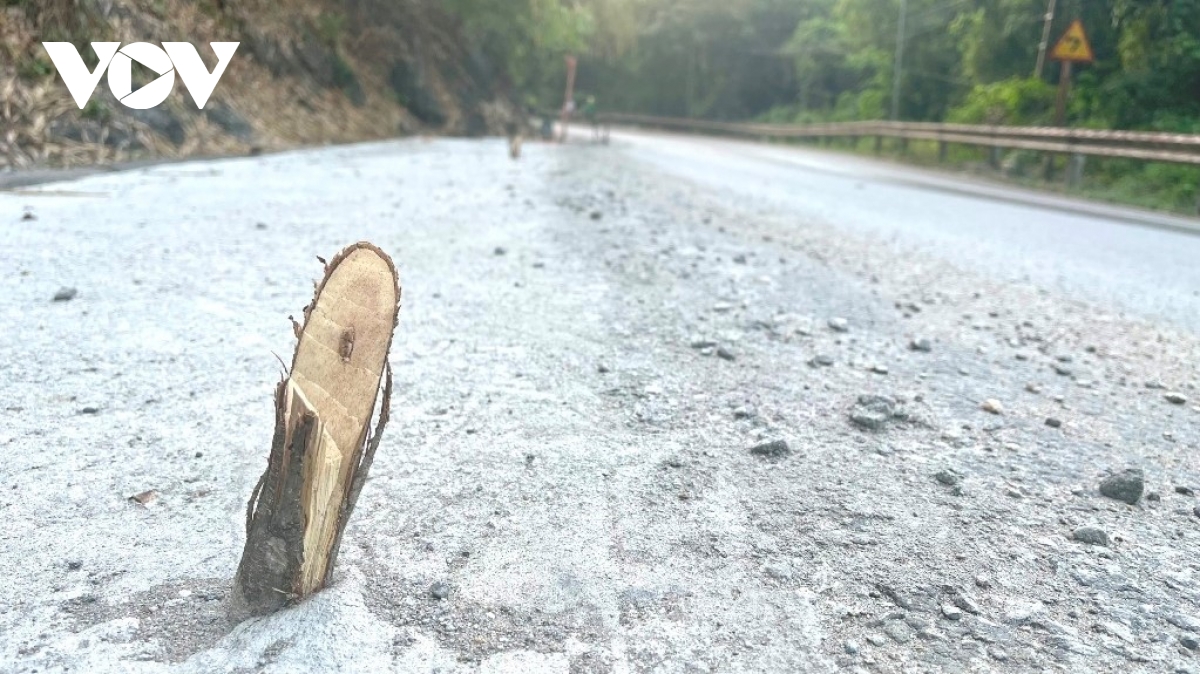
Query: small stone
x=947 y=477
x=1153 y=496
x=821 y=360
x=28 y=215
x=839 y=324
x=145 y=498
x=879 y=369
x=1062 y=370
x=74 y=565
x=90 y=410
x=997 y=653
x=951 y=612
x=725 y=354
x=260 y=225
x=744 y=413
x=439 y=590
x=1091 y=535
x=900 y=632
x=983 y=581
x=921 y=344
x=739 y=259
x=602 y=368
x=1053 y=423
x=1186 y=491
x=500 y=250
x=876 y=639
x=965 y=603
x=702 y=343
x=993 y=406
x=851 y=647
x=1154 y=385
x=1196 y=511
x=1189 y=642
x=1033 y=388
x=1126 y=486
x=1176 y=398
x=65 y=294
x=539 y=265
x=776 y=449
x=873 y=412
x=596 y=215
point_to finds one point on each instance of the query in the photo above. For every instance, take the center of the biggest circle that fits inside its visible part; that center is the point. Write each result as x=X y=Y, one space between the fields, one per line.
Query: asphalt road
x=592 y=342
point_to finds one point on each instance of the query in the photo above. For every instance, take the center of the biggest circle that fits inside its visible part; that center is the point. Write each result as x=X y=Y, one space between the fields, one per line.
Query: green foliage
x=1015 y=101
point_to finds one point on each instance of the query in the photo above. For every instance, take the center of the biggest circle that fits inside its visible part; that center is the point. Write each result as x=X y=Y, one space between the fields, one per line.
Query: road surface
x=658 y=409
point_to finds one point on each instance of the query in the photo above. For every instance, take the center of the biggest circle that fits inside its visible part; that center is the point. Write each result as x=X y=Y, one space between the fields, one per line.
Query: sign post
x=568 y=98
x=1072 y=47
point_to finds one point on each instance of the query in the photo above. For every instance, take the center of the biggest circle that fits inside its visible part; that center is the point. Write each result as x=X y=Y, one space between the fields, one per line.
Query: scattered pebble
x=74 y=565
x=821 y=360
x=260 y=225
x=500 y=250
x=739 y=259
x=603 y=369
x=1189 y=642
x=948 y=477
x=776 y=449
x=851 y=647
x=879 y=369
x=839 y=325
x=1176 y=398
x=90 y=410
x=65 y=294
x=701 y=343
x=951 y=612
x=439 y=590
x=596 y=215
x=993 y=406
x=873 y=412
x=725 y=354
x=983 y=581
x=1185 y=490
x=921 y=344
x=744 y=413
x=1090 y=535
x=145 y=498
x=1053 y=423
x=1062 y=370
x=28 y=215
x=1126 y=486
x=1033 y=388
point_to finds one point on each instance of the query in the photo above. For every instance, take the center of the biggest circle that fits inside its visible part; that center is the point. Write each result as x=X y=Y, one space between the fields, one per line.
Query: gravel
x=590 y=523
x=1090 y=535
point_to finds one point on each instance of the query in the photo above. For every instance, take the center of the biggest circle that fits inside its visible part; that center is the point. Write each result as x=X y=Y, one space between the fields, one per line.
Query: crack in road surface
x=568 y=484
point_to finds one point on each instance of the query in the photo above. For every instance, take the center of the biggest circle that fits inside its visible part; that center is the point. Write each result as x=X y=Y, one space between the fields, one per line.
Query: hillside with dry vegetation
x=306 y=72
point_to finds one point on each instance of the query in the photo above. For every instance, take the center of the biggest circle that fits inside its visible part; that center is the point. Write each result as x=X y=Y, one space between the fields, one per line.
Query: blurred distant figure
x=513 y=131
x=589 y=113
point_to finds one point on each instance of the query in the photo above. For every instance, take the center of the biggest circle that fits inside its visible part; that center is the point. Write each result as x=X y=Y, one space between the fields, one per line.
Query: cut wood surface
x=323 y=444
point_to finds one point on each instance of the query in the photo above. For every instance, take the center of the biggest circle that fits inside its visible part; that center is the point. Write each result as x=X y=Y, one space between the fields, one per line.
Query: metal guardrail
x=1147 y=146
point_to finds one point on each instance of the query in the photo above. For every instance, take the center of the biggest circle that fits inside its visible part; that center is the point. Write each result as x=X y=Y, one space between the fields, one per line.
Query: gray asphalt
x=592 y=341
x=1084 y=249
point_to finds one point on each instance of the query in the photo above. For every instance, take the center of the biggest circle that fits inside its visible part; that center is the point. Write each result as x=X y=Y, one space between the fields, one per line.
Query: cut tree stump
x=323 y=444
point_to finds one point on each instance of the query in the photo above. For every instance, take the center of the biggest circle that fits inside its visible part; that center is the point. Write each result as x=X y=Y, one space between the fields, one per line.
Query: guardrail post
x=878 y=144
x=994 y=155
x=941 y=151
x=1075 y=170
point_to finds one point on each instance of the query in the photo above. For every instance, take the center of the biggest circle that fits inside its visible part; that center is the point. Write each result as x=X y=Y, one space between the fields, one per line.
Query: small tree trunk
x=323 y=445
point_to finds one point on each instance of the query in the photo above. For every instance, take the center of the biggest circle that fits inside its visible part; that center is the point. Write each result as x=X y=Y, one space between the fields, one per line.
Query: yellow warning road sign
x=1073 y=45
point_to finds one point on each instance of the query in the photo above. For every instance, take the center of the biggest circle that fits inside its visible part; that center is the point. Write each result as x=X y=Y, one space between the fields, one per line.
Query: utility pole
x=898 y=67
x=1045 y=43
